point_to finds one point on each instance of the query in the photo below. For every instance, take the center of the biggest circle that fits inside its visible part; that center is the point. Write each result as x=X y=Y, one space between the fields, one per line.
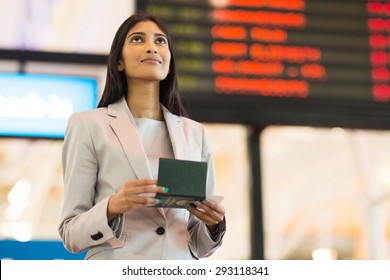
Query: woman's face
x=145 y=53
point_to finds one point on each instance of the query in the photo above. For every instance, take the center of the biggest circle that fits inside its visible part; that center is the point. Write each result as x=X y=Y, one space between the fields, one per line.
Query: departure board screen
x=289 y=49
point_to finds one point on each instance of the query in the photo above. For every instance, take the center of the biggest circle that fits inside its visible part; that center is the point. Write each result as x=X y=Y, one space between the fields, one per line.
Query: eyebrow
x=143 y=33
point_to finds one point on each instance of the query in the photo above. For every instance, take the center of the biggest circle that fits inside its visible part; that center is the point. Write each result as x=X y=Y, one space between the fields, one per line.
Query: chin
x=149 y=77
x=158 y=77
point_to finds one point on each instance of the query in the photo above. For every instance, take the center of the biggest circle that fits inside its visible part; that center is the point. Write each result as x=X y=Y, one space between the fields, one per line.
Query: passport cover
x=185 y=179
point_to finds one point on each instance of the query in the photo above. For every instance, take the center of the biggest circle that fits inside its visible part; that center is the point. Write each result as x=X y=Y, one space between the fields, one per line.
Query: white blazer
x=102 y=149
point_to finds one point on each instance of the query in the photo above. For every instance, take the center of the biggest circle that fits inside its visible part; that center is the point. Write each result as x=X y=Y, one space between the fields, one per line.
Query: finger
x=206 y=215
x=141 y=182
x=162 y=189
x=203 y=217
x=146 y=189
x=214 y=206
x=141 y=201
x=213 y=215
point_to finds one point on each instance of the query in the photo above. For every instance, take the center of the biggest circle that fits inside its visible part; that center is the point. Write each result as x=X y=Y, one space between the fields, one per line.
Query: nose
x=151 y=50
x=151 y=47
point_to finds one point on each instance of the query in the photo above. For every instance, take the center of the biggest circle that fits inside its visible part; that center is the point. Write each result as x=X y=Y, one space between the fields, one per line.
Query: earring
x=120 y=68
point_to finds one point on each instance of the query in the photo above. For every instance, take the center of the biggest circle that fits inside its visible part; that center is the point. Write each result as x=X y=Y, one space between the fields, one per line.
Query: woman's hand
x=209 y=212
x=134 y=194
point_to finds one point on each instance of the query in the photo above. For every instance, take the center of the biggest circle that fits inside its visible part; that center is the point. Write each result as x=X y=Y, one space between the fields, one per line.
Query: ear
x=120 y=67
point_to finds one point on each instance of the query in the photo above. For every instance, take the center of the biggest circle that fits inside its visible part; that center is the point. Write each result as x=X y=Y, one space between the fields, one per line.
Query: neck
x=143 y=100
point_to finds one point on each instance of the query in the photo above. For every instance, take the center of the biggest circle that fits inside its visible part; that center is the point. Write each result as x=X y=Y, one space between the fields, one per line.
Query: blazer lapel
x=124 y=126
x=176 y=134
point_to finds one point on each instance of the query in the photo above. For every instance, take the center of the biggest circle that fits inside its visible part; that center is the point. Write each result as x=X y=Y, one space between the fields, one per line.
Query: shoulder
x=89 y=115
x=197 y=132
x=190 y=125
x=81 y=122
x=194 y=129
x=190 y=122
x=187 y=123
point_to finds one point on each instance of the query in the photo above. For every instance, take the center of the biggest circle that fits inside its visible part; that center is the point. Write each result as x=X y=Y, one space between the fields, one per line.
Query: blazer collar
x=176 y=134
x=125 y=128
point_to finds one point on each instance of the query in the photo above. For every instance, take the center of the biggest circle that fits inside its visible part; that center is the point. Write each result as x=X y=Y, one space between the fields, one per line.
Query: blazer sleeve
x=203 y=244
x=83 y=223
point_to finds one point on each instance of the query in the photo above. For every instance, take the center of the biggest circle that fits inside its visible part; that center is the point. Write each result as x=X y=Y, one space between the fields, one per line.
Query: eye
x=136 y=39
x=161 y=40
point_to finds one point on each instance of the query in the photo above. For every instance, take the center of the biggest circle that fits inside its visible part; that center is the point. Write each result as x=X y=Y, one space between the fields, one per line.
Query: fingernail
x=158 y=201
x=197 y=203
x=166 y=189
x=206 y=199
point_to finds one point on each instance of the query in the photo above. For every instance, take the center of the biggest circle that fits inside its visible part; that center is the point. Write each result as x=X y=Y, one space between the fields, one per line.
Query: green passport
x=185 y=179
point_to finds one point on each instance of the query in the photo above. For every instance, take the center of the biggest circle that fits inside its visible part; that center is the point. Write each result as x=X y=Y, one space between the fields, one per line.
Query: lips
x=151 y=60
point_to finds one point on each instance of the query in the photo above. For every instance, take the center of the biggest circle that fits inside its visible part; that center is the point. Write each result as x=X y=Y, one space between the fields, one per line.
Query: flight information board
x=290 y=49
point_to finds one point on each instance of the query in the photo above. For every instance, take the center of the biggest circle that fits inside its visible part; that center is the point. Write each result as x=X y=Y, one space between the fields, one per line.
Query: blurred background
x=294 y=95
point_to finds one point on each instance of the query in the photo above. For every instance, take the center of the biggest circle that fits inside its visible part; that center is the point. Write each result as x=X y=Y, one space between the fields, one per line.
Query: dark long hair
x=116 y=83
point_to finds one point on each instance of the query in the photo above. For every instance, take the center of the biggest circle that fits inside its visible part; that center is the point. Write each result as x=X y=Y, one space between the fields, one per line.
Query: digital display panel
x=33 y=105
x=288 y=49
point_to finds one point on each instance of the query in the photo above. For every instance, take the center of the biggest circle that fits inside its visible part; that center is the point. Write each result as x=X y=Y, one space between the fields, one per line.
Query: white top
x=155 y=139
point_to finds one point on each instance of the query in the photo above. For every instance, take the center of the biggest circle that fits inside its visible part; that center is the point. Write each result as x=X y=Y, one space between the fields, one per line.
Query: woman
x=110 y=159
